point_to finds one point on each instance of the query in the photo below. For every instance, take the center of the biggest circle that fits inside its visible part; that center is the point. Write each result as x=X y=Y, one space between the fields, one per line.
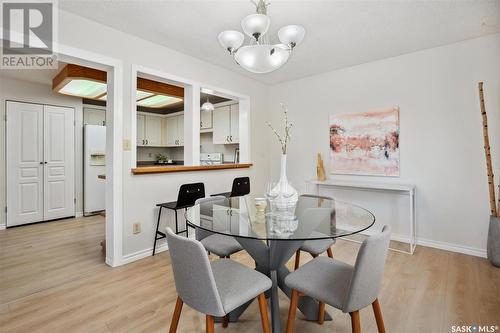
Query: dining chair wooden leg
x=210 y=324
x=225 y=321
x=297 y=259
x=321 y=313
x=176 y=316
x=263 y=313
x=292 y=311
x=378 y=316
x=330 y=252
x=355 y=322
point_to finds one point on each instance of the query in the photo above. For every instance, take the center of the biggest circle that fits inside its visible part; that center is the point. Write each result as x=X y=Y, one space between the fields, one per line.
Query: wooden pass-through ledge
x=184 y=168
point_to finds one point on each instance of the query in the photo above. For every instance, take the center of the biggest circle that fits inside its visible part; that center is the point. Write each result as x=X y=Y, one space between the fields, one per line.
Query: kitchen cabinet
x=149 y=130
x=226 y=124
x=140 y=130
x=153 y=131
x=205 y=120
x=173 y=131
x=234 y=136
x=93 y=116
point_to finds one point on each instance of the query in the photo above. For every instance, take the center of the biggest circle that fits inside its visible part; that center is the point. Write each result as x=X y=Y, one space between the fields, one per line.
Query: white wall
x=23 y=91
x=142 y=192
x=441 y=133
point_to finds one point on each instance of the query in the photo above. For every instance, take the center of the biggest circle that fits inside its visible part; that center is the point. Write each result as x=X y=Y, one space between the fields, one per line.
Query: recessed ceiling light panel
x=158 y=101
x=83 y=88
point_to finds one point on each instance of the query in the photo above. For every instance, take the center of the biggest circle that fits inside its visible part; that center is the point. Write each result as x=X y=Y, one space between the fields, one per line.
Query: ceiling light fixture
x=207 y=106
x=260 y=56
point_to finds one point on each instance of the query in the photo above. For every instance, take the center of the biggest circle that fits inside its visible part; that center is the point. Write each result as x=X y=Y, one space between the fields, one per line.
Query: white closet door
x=24 y=163
x=59 y=182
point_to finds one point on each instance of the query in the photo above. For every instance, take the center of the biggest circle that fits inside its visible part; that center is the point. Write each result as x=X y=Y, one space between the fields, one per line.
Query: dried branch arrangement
x=284 y=138
x=487 y=151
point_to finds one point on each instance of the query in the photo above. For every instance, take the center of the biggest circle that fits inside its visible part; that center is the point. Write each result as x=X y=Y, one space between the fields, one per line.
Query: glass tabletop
x=314 y=217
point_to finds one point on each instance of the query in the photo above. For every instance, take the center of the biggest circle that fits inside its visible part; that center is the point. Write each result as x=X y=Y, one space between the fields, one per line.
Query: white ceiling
x=41 y=76
x=339 y=33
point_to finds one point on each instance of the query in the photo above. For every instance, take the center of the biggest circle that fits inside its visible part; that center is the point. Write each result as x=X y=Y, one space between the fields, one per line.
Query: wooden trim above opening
x=71 y=71
x=159 y=88
x=184 y=168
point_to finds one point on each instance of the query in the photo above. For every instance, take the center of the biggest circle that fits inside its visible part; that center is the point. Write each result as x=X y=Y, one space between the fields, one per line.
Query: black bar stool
x=188 y=194
x=241 y=186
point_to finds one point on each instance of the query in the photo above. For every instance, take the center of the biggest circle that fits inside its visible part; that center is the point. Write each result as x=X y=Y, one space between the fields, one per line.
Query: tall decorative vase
x=493 y=246
x=286 y=196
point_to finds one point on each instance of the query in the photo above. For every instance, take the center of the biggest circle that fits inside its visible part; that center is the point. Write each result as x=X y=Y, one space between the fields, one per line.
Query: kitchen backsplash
x=208 y=147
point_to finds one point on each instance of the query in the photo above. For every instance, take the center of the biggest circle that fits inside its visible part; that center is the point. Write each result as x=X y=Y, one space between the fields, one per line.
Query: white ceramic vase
x=285 y=195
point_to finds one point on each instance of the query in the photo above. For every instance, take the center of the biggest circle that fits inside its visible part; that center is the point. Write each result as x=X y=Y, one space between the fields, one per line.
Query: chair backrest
x=194 y=279
x=368 y=271
x=206 y=209
x=189 y=193
x=241 y=186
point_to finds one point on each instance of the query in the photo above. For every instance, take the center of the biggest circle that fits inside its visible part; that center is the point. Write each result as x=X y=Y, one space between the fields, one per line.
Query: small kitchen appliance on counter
x=211 y=158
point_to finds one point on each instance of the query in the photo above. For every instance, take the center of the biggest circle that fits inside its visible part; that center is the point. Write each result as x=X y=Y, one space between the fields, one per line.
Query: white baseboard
x=78 y=214
x=472 y=251
x=143 y=253
x=3 y=226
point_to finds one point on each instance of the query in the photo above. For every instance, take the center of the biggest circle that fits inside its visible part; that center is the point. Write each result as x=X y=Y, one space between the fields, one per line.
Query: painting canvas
x=365 y=143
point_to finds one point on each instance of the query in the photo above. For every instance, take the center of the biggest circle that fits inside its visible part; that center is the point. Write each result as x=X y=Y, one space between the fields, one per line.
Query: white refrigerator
x=94 y=164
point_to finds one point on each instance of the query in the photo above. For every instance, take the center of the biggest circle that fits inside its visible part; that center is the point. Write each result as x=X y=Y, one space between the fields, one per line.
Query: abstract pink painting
x=365 y=143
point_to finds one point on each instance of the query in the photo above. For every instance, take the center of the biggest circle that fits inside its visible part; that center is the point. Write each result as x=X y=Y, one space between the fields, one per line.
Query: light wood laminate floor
x=53 y=279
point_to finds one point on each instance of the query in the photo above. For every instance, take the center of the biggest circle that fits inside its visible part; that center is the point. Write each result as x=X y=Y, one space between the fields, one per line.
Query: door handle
x=147 y=141
x=227 y=138
x=231 y=138
x=44 y=162
x=41 y=162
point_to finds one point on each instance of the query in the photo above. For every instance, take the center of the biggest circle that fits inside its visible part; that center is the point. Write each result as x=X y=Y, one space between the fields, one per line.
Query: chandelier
x=260 y=56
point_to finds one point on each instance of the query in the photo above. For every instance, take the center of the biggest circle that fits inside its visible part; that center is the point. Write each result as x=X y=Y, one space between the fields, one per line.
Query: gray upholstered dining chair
x=220 y=245
x=213 y=288
x=313 y=247
x=345 y=287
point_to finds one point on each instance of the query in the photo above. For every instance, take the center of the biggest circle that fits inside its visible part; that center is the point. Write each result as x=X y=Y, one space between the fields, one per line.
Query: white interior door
x=24 y=163
x=59 y=182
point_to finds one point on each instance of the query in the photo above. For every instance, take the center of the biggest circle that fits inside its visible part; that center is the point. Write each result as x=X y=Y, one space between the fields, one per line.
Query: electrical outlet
x=126 y=144
x=137 y=228
x=150 y=155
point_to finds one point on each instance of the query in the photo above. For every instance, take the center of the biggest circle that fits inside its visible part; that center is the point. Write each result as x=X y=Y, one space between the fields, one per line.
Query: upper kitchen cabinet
x=226 y=124
x=94 y=116
x=173 y=131
x=149 y=130
x=206 y=121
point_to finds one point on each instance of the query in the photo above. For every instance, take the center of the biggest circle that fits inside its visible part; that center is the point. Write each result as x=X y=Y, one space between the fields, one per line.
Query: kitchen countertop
x=141 y=170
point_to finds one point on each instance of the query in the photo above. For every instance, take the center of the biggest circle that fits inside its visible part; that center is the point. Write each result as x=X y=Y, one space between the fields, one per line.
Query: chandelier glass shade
x=207 y=106
x=260 y=56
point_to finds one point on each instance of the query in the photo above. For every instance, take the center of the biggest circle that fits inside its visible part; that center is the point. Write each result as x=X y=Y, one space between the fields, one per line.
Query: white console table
x=390 y=187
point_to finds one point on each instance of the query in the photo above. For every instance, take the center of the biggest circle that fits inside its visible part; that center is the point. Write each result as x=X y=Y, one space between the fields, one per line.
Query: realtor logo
x=28 y=34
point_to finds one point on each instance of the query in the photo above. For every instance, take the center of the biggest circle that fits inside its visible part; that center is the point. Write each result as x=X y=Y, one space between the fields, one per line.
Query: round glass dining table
x=272 y=237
